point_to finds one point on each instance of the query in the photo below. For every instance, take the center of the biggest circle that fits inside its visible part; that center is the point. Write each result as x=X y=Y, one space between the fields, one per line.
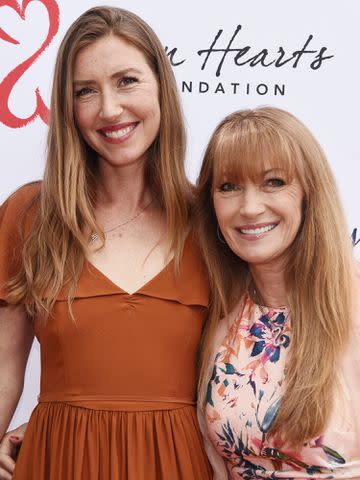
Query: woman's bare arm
x=16 y=337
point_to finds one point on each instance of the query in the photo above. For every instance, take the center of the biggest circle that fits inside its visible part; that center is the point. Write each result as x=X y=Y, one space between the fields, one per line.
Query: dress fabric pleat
x=71 y=442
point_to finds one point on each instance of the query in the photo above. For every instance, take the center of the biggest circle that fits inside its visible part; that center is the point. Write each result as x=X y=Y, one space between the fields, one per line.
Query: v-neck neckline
x=108 y=280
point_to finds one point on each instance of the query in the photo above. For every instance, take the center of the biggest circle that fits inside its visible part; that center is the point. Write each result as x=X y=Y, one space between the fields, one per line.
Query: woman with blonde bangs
x=280 y=373
x=96 y=261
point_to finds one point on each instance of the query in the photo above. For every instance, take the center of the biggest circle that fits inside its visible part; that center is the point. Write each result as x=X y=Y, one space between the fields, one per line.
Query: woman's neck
x=269 y=284
x=122 y=188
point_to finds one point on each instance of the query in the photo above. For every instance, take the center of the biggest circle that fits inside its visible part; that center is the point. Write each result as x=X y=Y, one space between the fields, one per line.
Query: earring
x=220 y=236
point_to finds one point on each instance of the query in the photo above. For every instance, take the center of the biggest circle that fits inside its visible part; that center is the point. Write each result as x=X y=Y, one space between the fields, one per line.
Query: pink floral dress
x=244 y=394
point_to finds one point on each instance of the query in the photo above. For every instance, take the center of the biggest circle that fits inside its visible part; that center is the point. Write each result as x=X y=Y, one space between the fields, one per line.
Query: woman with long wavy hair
x=280 y=373
x=96 y=261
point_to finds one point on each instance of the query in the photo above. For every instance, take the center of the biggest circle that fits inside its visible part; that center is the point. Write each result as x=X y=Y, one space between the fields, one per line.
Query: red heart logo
x=6 y=86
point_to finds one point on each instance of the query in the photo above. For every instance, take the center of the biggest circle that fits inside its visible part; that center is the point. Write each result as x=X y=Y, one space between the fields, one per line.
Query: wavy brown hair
x=54 y=252
x=318 y=274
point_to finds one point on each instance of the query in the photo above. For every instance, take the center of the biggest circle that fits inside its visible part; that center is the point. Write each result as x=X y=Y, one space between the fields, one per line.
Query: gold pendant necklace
x=94 y=236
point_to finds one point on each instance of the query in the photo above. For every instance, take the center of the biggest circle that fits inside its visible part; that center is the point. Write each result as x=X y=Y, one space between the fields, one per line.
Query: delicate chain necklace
x=94 y=236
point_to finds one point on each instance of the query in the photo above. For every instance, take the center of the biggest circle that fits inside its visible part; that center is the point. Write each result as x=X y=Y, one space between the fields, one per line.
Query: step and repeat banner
x=300 y=56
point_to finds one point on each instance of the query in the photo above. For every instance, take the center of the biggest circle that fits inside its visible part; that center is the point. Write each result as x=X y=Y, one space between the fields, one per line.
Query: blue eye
x=83 y=91
x=228 y=187
x=275 y=182
x=127 y=80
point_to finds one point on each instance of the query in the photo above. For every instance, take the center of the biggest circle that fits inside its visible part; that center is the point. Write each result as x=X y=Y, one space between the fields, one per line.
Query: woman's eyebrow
x=118 y=73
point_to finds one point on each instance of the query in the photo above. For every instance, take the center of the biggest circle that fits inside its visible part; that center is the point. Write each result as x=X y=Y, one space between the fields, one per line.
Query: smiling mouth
x=121 y=132
x=257 y=231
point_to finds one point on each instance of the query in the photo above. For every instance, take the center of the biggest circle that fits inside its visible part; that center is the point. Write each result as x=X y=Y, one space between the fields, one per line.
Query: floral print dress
x=244 y=395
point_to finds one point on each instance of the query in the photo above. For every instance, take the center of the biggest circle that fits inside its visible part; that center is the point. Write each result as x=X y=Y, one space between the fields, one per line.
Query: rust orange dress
x=117 y=397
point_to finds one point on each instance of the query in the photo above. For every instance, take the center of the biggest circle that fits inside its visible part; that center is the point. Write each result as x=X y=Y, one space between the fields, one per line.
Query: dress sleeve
x=218 y=465
x=220 y=471
x=216 y=462
x=15 y=215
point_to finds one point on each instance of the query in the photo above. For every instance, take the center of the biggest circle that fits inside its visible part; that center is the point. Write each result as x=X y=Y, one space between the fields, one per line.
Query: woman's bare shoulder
x=24 y=194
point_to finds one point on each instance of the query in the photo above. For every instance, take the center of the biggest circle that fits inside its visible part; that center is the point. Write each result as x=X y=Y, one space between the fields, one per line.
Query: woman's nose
x=111 y=106
x=251 y=202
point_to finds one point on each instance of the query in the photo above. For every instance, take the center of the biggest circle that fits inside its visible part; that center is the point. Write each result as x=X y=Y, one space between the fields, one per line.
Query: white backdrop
x=301 y=56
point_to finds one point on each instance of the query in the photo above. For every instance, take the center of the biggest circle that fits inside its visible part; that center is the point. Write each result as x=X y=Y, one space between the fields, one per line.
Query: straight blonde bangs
x=246 y=147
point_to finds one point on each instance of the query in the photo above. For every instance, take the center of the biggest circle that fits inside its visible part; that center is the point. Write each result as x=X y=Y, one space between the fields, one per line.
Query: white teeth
x=119 y=133
x=257 y=231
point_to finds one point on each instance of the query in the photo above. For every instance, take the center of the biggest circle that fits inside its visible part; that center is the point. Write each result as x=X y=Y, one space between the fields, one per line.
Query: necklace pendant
x=278 y=337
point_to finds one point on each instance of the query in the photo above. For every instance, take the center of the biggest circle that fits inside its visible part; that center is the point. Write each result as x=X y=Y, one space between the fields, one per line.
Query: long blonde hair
x=55 y=249
x=319 y=269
